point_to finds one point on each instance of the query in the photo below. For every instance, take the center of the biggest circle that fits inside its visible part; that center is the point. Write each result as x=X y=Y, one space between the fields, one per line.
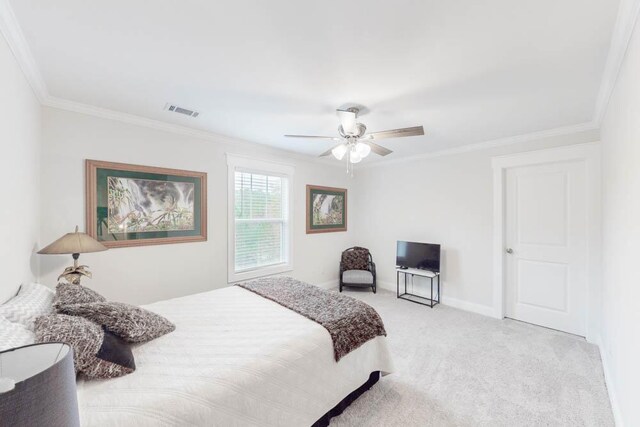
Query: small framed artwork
x=326 y=209
x=132 y=205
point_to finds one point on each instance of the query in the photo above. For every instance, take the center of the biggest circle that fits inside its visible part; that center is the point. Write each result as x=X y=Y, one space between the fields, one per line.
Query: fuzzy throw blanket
x=350 y=322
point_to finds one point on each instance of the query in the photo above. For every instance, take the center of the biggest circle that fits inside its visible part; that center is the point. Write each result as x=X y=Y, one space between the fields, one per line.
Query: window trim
x=248 y=164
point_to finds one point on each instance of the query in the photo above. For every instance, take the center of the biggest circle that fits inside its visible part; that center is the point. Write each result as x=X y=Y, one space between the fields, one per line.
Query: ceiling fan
x=355 y=143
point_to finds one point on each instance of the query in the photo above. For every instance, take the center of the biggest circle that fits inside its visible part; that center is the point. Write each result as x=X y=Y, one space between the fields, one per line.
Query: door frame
x=589 y=153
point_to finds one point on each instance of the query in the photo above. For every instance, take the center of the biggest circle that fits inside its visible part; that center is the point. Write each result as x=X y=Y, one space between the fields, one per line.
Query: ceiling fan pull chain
x=348 y=157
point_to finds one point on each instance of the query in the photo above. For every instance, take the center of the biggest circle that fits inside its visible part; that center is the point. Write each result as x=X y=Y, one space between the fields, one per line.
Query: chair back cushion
x=356 y=258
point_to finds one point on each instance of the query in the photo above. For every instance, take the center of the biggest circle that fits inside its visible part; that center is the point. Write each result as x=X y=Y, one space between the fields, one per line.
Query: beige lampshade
x=74 y=243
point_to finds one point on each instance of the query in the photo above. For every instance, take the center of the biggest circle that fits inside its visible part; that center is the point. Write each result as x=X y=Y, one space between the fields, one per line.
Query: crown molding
x=78 y=107
x=12 y=33
x=104 y=113
x=502 y=142
x=628 y=11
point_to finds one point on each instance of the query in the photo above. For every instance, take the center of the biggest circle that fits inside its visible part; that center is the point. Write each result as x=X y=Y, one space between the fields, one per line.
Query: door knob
x=509 y=251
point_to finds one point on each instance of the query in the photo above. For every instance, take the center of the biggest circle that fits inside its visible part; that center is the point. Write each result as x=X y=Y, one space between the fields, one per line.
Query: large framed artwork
x=132 y=205
x=326 y=209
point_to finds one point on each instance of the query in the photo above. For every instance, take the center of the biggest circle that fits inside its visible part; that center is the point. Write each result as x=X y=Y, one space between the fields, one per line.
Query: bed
x=235 y=359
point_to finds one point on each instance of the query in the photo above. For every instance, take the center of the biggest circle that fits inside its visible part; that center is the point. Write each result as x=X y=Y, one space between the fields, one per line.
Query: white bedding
x=235 y=359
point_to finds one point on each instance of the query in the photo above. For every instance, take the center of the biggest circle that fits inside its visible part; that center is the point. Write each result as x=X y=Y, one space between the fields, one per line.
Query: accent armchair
x=357 y=269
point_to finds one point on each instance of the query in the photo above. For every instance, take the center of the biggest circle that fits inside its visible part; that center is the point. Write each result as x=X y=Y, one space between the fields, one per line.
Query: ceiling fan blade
x=378 y=149
x=326 y=153
x=396 y=133
x=314 y=137
x=348 y=120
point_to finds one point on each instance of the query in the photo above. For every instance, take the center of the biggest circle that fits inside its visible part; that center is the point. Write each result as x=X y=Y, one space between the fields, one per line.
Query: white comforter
x=235 y=359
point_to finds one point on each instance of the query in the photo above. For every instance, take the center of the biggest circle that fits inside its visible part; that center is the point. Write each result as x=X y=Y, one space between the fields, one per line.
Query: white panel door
x=546 y=245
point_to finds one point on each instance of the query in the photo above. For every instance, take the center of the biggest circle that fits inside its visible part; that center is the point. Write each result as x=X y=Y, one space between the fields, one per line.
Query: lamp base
x=74 y=273
x=72 y=278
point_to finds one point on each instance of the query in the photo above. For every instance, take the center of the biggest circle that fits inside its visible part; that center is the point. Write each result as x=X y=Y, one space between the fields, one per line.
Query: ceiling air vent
x=185 y=111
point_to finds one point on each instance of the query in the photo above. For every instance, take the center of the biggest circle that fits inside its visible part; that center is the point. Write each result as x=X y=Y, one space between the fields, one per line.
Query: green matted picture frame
x=326 y=209
x=133 y=205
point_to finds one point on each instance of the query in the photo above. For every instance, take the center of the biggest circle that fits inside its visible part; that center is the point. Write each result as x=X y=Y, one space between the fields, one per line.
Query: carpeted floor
x=455 y=368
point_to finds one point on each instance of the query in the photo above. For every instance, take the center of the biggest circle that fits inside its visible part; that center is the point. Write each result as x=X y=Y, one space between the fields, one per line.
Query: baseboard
x=387 y=285
x=615 y=408
x=328 y=285
x=485 y=310
x=451 y=302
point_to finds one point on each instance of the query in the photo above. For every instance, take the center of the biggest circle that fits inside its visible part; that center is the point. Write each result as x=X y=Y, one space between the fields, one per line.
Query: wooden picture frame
x=133 y=205
x=331 y=200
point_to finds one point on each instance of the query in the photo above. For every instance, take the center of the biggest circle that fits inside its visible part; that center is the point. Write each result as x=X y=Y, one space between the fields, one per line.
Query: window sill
x=259 y=272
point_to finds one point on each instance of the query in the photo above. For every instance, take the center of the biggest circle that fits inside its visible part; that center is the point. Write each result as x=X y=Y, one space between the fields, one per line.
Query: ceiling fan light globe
x=363 y=149
x=339 y=151
x=354 y=157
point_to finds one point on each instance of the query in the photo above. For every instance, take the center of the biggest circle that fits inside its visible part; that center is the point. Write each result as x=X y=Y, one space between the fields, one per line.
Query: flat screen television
x=424 y=256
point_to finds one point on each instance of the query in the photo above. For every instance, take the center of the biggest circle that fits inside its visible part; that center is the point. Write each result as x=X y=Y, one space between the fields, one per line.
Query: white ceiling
x=468 y=70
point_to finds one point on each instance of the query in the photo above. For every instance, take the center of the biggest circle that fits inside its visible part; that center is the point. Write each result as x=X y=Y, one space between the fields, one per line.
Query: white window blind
x=261 y=220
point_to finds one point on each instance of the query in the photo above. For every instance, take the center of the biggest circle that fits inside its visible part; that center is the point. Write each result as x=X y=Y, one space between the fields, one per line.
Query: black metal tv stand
x=412 y=272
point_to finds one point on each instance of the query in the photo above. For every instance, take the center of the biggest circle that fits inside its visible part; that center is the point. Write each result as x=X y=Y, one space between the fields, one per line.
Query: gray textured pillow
x=96 y=353
x=132 y=324
x=67 y=294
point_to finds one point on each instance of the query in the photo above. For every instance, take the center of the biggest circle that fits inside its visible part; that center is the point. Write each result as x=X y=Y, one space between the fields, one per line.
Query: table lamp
x=75 y=244
x=38 y=386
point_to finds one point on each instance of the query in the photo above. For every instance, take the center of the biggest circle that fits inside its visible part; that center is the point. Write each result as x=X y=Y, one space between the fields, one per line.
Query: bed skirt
x=344 y=403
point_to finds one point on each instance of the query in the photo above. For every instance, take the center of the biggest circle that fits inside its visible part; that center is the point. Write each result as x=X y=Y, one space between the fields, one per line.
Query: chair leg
x=374 y=289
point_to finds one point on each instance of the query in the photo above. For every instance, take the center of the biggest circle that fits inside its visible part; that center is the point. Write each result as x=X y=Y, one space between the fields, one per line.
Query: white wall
x=145 y=274
x=447 y=200
x=621 y=243
x=20 y=115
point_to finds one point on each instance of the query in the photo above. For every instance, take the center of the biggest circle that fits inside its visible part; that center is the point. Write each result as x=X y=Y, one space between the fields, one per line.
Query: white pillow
x=33 y=300
x=14 y=335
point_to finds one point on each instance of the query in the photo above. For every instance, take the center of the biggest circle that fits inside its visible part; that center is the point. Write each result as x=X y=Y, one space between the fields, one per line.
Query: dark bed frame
x=344 y=403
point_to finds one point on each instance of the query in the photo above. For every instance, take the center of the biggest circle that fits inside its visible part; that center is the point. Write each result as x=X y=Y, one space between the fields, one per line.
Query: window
x=261 y=222
x=259 y=218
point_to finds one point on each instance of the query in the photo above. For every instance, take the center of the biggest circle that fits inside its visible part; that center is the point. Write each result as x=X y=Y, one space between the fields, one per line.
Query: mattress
x=235 y=359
